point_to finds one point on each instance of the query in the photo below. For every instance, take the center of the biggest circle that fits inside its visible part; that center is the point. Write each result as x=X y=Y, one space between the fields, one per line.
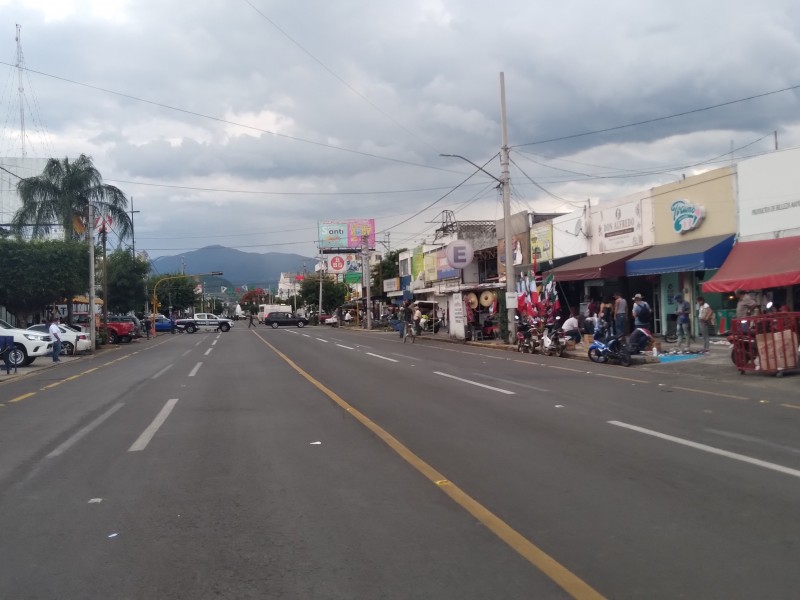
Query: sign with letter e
x=459 y=253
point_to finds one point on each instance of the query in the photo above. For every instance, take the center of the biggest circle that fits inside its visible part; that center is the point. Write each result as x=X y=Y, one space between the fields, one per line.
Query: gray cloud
x=430 y=72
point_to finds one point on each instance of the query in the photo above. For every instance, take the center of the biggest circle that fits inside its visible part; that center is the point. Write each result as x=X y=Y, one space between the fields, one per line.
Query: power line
x=657 y=119
x=226 y=121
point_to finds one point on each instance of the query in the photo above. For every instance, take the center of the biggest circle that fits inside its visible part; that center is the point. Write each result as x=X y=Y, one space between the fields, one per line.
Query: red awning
x=758 y=265
x=596 y=266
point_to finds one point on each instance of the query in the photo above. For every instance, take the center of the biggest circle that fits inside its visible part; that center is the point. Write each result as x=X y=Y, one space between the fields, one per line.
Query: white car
x=27 y=344
x=71 y=341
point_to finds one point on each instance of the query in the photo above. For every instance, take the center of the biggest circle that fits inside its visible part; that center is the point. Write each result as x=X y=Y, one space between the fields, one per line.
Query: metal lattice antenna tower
x=21 y=92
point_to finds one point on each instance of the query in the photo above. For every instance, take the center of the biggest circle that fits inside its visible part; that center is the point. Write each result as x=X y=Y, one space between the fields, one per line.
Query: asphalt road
x=327 y=463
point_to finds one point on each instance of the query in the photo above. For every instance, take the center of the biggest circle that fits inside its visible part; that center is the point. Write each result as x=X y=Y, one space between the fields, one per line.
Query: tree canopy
x=40 y=273
x=60 y=197
x=126 y=282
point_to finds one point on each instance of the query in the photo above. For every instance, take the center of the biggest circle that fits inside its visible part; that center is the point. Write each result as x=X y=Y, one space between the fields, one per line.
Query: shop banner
x=429 y=266
x=542 y=242
x=443 y=268
x=342 y=263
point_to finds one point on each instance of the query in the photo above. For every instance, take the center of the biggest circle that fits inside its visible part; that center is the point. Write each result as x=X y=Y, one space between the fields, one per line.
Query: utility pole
x=505 y=180
x=90 y=237
x=365 y=271
x=21 y=90
x=105 y=273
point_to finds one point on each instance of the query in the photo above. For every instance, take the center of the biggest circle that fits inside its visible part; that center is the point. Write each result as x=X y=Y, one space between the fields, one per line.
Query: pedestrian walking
x=172 y=324
x=148 y=323
x=250 y=322
x=55 y=332
x=706 y=320
x=683 y=324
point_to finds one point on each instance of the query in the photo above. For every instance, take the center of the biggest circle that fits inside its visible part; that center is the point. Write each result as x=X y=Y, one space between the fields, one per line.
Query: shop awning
x=681 y=257
x=758 y=265
x=596 y=266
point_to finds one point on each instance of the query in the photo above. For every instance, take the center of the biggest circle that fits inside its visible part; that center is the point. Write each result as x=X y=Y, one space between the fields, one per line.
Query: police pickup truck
x=205 y=322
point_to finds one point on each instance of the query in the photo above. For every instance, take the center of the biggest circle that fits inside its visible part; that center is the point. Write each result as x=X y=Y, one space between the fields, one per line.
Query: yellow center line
x=710 y=393
x=52 y=385
x=73 y=377
x=571 y=583
x=794 y=406
x=19 y=398
x=92 y=370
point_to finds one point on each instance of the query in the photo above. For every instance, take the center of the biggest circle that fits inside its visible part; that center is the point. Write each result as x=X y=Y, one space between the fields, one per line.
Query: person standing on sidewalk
x=620 y=315
x=683 y=324
x=706 y=320
x=641 y=312
x=148 y=324
x=55 y=333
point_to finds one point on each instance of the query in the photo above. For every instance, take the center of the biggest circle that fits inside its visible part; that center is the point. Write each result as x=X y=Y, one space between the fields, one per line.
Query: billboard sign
x=335 y=235
x=342 y=263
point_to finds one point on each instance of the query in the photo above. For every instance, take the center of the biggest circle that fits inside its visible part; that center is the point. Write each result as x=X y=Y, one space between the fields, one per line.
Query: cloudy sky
x=246 y=122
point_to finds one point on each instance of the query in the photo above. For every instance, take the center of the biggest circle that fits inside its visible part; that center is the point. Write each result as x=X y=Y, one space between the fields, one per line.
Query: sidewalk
x=716 y=364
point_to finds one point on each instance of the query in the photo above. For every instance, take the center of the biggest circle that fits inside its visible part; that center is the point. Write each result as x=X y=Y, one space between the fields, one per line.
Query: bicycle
x=410 y=330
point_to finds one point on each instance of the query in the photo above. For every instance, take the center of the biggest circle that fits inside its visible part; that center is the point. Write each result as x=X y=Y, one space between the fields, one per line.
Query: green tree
x=126 y=275
x=388 y=268
x=40 y=273
x=60 y=197
x=333 y=293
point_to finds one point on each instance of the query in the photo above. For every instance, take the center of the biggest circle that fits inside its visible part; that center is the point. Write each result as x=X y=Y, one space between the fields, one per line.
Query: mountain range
x=250 y=268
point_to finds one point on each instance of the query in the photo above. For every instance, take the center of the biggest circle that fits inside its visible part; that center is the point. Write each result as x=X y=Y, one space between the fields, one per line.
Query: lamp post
x=163 y=279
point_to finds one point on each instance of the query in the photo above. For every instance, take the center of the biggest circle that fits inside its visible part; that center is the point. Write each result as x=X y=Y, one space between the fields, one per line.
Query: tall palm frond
x=60 y=197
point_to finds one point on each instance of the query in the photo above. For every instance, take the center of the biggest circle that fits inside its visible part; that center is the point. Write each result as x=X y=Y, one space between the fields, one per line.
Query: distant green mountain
x=239 y=268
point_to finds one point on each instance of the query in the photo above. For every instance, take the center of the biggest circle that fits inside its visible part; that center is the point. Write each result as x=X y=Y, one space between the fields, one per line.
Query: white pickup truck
x=205 y=322
x=27 y=344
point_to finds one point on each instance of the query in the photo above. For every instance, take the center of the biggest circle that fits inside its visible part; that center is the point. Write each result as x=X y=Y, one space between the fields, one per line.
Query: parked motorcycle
x=429 y=325
x=605 y=348
x=526 y=340
x=553 y=339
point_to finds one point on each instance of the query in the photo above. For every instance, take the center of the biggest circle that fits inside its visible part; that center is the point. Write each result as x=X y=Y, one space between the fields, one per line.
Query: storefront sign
x=620 y=227
x=429 y=266
x=686 y=216
x=443 y=268
x=459 y=253
x=542 y=242
x=391 y=285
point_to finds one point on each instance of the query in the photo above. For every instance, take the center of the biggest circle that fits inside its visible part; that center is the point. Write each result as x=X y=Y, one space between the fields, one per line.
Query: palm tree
x=60 y=197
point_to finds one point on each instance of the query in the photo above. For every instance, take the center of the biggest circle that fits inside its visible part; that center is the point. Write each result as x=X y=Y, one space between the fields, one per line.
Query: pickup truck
x=120 y=331
x=27 y=344
x=204 y=321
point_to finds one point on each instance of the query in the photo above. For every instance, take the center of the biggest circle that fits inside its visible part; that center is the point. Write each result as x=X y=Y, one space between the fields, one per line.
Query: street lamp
x=507 y=232
x=173 y=277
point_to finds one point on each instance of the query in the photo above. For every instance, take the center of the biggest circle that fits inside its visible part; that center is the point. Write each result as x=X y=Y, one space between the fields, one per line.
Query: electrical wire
x=657 y=119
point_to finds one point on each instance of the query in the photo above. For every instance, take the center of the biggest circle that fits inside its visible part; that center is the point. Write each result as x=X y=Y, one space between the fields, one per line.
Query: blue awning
x=682 y=257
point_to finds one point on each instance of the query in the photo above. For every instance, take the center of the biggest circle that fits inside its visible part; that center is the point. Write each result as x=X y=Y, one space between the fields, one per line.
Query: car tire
x=67 y=349
x=125 y=339
x=18 y=356
x=113 y=338
x=274 y=324
x=191 y=328
x=224 y=327
x=301 y=324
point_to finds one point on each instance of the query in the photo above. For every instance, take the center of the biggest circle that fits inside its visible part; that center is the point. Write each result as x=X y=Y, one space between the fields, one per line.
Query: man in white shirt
x=572 y=330
x=55 y=333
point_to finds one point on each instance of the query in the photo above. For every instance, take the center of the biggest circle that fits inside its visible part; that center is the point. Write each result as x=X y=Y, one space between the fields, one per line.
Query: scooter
x=553 y=339
x=613 y=349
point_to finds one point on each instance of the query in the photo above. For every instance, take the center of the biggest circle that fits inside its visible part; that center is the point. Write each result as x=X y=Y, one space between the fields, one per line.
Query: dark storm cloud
x=398 y=85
